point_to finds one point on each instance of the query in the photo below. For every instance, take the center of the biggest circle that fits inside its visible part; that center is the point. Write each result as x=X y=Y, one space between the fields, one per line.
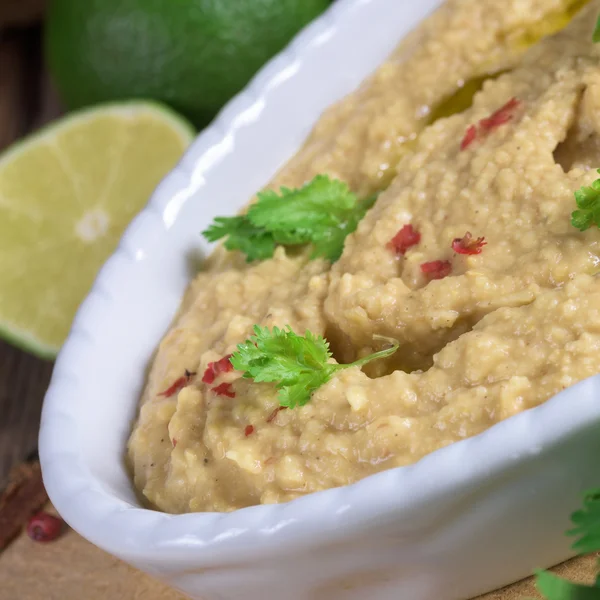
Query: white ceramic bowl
x=468 y=518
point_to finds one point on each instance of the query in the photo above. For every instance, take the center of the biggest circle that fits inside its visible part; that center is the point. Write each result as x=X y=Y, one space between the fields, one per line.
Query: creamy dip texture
x=499 y=331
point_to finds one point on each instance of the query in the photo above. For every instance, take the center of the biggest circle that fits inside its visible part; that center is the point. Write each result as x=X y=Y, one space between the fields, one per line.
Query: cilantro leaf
x=255 y=242
x=587 y=529
x=596 y=34
x=298 y=365
x=321 y=203
x=588 y=203
x=280 y=355
x=330 y=244
x=301 y=392
x=555 y=588
x=322 y=213
x=587 y=523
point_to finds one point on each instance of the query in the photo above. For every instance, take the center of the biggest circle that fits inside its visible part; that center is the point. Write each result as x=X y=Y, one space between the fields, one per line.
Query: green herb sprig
x=596 y=34
x=298 y=365
x=588 y=206
x=322 y=213
x=586 y=523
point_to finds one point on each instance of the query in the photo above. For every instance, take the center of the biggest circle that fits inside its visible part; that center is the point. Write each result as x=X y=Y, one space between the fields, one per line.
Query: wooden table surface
x=27 y=102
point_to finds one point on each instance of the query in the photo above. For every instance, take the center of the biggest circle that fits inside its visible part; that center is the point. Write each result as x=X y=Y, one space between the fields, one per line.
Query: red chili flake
x=503 y=115
x=43 y=527
x=469 y=137
x=499 y=117
x=209 y=375
x=407 y=237
x=178 y=384
x=249 y=430
x=468 y=244
x=214 y=369
x=275 y=413
x=224 y=389
x=174 y=442
x=436 y=269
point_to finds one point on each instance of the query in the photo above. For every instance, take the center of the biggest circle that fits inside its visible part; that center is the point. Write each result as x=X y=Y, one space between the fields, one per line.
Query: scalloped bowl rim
x=266 y=529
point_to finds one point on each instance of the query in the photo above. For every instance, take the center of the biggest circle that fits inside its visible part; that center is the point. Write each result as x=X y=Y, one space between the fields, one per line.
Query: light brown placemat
x=73 y=569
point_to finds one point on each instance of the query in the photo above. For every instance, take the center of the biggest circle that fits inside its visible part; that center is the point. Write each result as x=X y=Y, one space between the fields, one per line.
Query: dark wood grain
x=14 y=12
x=13 y=63
x=27 y=101
x=23 y=382
x=24 y=496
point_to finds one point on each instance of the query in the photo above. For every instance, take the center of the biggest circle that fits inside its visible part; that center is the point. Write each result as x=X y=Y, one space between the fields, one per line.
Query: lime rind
x=25 y=340
x=184 y=127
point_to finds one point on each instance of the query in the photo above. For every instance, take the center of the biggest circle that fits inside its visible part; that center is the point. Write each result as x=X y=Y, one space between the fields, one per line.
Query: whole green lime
x=191 y=54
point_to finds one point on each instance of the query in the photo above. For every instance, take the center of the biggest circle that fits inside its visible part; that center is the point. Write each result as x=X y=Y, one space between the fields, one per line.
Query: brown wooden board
x=18 y=12
x=27 y=101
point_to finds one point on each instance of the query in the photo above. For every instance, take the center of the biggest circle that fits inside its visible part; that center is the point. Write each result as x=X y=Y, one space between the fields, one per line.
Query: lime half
x=66 y=195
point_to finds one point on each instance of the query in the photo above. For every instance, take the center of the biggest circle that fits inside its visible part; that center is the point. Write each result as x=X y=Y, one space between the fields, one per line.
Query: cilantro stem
x=376 y=355
x=366 y=203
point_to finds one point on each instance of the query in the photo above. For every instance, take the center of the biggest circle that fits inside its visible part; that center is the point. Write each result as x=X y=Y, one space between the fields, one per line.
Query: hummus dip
x=485 y=119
